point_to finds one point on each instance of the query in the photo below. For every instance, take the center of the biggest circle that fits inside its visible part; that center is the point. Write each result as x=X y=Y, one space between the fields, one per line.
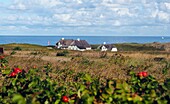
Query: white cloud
x=124 y=12
x=49 y=3
x=164 y=17
x=62 y=17
x=123 y=1
x=96 y=14
x=167 y=5
x=117 y=23
x=18 y=6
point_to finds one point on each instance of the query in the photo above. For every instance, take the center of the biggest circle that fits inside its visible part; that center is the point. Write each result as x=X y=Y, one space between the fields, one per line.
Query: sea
x=51 y=40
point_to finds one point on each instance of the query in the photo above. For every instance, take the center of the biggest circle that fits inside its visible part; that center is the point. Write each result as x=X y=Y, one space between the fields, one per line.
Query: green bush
x=63 y=53
x=36 y=86
x=13 y=52
x=17 y=48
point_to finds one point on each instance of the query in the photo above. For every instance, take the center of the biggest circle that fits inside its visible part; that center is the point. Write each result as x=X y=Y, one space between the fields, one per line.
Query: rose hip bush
x=36 y=86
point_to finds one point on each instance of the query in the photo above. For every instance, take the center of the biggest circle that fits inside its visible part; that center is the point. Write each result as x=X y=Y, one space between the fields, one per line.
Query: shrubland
x=33 y=76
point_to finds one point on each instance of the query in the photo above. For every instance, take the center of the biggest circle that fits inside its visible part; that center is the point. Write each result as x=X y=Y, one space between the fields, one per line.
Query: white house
x=107 y=47
x=71 y=44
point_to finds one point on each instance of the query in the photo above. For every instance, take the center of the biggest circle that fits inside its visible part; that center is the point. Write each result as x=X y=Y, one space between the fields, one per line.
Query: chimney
x=62 y=38
x=78 y=39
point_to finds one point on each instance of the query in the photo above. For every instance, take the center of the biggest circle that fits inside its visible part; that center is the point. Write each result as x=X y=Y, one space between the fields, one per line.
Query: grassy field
x=100 y=64
x=44 y=75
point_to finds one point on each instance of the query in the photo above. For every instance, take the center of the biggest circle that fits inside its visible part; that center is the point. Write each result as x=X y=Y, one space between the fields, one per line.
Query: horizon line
x=90 y=35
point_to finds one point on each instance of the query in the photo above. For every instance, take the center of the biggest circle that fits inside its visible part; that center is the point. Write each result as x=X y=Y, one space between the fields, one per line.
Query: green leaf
x=129 y=98
x=7 y=71
x=105 y=96
x=118 y=85
x=87 y=78
x=32 y=84
x=71 y=101
x=85 y=92
x=21 y=80
x=46 y=102
x=82 y=87
x=4 y=89
x=126 y=86
x=79 y=93
x=162 y=102
x=110 y=99
x=110 y=83
x=153 y=93
x=94 y=89
x=109 y=90
x=14 y=82
x=34 y=101
x=132 y=73
x=137 y=98
x=57 y=101
x=90 y=100
x=18 y=99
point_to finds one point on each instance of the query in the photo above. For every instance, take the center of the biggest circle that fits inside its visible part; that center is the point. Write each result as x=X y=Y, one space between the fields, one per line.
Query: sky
x=85 y=17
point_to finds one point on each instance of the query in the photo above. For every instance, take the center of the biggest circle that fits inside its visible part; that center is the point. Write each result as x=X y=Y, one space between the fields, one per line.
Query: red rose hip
x=65 y=99
x=17 y=70
x=13 y=74
x=145 y=74
x=2 y=57
x=140 y=74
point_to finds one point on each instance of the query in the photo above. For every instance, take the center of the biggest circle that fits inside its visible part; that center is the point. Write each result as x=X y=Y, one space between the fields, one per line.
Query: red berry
x=65 y=99
x=13 y=74
x=140 y=74
x=2 y=57
x=145 y=74
x=17 y=70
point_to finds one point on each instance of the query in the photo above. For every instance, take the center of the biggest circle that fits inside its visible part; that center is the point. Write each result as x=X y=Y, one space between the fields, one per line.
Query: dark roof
x=65 y=43
x=108 y=46
x=82 y=44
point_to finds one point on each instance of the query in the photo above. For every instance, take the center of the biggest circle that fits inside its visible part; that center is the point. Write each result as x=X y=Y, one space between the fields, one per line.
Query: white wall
x=59 y=45
x=114 y=50
x=88 y=48
x=73 y=48
x=104 y=48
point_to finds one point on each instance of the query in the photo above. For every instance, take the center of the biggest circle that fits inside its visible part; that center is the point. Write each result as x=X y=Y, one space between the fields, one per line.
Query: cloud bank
x=85 y=17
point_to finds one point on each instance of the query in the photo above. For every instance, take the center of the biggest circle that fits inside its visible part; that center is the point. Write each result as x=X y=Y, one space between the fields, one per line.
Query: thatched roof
x=82 y=44
x=65 y=41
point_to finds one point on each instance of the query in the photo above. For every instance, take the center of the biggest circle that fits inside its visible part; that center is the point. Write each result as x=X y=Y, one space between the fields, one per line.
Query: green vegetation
x=38 y=86
x=23 y=46
x=136 y=47
x=36 y=76
x=63 y=53
x=133 y=47
x=17 y=49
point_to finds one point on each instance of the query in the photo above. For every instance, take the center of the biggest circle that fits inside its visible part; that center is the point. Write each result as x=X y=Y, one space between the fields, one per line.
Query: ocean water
x=44 y=40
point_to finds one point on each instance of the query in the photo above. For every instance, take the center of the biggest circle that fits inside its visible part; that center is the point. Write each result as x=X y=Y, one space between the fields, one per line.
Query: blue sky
x=85 y=17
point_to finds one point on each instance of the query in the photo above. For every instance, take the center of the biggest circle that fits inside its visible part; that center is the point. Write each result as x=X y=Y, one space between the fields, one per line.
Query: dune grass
x=113 y=65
